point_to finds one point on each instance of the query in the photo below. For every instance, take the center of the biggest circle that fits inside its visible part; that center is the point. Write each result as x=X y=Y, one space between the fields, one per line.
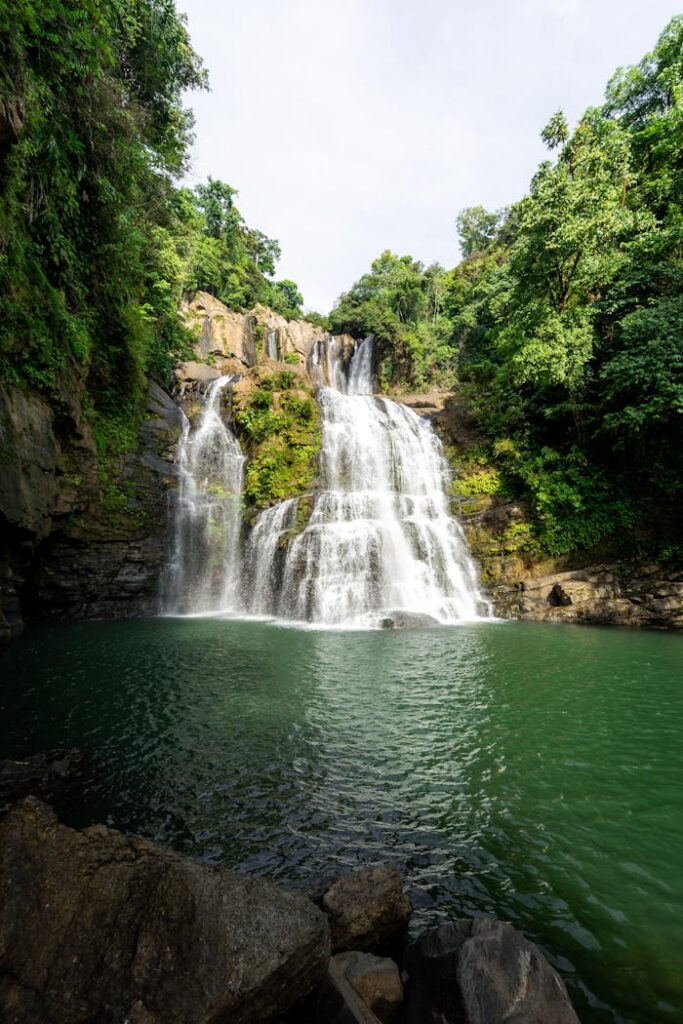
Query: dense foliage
x=93 y=129
x=97 y=245
x=564 y=322
x=279 y=424
x=402 y=304
x=232 y=261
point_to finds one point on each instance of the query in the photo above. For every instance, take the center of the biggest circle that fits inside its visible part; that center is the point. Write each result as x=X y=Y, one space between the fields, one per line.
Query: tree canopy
x=563 y=322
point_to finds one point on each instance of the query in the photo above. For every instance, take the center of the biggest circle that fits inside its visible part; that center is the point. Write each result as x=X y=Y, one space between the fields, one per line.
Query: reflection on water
x=533 y=772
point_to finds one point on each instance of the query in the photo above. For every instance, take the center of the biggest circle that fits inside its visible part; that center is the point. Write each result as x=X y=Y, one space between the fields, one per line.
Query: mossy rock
x=278 y=423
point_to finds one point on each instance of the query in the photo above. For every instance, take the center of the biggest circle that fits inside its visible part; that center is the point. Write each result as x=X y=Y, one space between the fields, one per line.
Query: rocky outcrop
x=226 y=338
x=482 y=972
x=623 y=595
x=100 y=927
x=97 y=926
x=367 y=908
x=77 y=542
x=573 y=588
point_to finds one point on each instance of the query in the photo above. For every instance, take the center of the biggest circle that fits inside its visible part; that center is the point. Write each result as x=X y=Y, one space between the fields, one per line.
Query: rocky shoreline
x=97 y=927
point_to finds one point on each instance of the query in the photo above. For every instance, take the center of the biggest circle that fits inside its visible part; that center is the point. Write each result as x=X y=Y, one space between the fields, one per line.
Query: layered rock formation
x=231 y=341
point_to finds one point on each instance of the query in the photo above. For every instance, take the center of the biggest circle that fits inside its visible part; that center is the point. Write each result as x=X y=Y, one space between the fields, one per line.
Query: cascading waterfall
x=374 y=540
x=204 y=574
x=380 y=537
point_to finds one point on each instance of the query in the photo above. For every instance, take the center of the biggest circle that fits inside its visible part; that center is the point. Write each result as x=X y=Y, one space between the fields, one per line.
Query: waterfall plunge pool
x=524 y=770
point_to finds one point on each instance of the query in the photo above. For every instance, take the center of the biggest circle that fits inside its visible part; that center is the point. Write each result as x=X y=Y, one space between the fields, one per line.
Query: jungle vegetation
x=98 y=243
x=563 y=324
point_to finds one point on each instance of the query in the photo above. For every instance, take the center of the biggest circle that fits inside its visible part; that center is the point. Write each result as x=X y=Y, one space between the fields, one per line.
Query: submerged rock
x=54 y=777
x=482 y=972
x=98 y=926
x=407 y=620
x=367 y=909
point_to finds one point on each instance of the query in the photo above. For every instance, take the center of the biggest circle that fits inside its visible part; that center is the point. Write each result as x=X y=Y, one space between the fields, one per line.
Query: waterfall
x=204 y=574
x=380 y=537
x=265 y=555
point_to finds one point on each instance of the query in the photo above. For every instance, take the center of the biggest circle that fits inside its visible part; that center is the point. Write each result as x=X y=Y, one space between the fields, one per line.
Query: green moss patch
x=279 y=424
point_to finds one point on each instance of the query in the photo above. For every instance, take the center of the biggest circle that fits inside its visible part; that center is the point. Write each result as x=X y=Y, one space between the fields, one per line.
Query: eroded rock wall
x=231 y=341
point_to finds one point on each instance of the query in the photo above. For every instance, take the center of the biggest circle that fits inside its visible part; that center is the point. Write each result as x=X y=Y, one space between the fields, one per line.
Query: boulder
x=367 y=909
x=98 y=926
x=407 y=620
x=482 y=972
x=54 y=777
x=377 y=980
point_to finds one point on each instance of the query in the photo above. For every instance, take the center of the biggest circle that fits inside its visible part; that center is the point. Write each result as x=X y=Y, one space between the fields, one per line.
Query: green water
x=529 y=771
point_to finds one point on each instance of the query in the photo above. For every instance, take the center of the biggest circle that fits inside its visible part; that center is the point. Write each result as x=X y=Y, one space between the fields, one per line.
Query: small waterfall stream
x=374 y=541
x=205 y=570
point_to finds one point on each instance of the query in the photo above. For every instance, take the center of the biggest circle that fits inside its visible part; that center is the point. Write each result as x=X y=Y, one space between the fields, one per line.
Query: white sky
x=353 y=126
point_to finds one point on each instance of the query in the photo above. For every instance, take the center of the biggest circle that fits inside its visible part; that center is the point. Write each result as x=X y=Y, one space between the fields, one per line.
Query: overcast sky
x=353 y=126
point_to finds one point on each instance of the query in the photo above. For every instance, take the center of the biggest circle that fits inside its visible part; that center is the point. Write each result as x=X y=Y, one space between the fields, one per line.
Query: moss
x=280 y=429
x=481 y=481
x=292 y=358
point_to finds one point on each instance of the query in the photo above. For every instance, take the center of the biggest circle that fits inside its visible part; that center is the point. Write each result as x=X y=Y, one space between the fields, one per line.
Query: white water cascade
x=205 y=570
x=380 y=537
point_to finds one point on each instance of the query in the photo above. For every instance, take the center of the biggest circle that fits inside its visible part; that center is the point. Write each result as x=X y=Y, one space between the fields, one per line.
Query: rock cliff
x=231 y=341
x=75 y=541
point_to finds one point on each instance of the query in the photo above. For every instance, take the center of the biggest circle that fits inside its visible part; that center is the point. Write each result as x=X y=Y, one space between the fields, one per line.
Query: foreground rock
x=97 y=926
x=482 y=972
x=367 y=909
x=55 y=777
x=376 y=979
x=337 y=1001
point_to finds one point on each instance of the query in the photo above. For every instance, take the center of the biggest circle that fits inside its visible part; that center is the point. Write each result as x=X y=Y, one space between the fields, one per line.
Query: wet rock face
x=64 y=552
x=367 y=909
x=28 y=493
x=482 y=972
x=99 y=926
x=28 y=456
